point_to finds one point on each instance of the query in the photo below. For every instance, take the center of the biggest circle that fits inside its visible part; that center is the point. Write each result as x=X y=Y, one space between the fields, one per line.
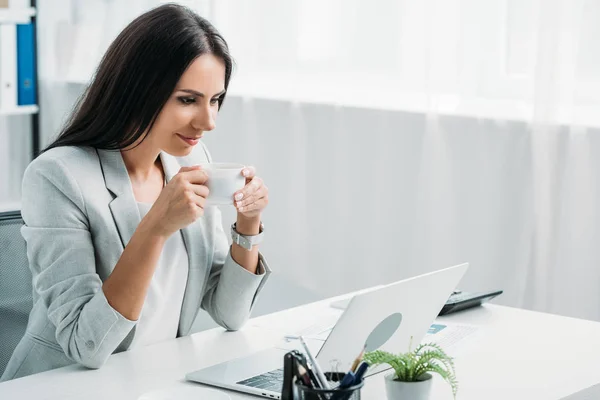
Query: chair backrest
x=16 y=294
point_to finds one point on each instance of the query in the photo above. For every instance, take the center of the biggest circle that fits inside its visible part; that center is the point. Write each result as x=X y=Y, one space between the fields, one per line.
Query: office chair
x=16 y=295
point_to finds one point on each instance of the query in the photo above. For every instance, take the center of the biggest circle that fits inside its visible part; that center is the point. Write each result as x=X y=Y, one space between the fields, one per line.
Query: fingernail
x=245 y=172
x=239 y=196
x=241 y=209
x=238 y=204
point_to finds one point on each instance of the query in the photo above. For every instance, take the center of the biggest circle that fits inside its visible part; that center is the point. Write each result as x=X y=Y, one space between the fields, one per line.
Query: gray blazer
x=80 y=212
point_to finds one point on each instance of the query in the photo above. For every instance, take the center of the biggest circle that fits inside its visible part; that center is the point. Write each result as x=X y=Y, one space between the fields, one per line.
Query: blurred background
x=396 y=137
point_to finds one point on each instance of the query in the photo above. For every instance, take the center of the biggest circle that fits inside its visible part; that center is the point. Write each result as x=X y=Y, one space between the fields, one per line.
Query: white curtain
x=398 y=137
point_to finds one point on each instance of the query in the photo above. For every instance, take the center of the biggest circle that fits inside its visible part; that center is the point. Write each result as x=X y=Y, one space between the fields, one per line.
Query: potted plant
x=411 y=378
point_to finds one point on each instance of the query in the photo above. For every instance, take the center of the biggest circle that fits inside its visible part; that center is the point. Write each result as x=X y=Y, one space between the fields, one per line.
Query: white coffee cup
x=224 y=179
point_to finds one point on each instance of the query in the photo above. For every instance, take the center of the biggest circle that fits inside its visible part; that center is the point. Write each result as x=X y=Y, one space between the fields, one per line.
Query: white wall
x=15 y=153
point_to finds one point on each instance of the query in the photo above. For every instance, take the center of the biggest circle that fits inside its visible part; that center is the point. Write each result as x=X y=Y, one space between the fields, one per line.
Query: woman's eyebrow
x=199 y=94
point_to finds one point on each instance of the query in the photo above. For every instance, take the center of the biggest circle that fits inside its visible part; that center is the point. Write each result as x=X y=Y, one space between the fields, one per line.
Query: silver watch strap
x=246 y=241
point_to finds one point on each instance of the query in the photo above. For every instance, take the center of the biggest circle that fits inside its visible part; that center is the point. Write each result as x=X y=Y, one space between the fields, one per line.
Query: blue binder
x=26 y=73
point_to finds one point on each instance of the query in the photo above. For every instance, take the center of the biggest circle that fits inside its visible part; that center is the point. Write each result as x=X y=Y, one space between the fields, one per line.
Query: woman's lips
x=190 y=141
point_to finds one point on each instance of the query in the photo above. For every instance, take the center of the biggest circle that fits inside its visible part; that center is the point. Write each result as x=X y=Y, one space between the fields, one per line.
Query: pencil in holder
x=303 y=392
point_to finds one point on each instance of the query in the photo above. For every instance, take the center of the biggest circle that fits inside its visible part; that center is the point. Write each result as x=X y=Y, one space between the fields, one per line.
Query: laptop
x=393 y=318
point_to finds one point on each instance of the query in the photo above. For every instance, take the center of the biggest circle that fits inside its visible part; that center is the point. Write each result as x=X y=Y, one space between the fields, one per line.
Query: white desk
x=516 y=354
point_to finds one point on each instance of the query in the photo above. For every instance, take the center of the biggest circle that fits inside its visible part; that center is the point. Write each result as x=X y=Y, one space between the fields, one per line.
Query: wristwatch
x=247 y=241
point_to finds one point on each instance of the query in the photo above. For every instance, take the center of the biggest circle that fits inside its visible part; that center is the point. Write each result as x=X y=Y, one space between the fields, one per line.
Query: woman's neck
x=142 y=161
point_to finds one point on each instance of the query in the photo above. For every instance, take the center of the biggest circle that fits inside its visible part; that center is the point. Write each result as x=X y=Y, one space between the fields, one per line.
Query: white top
x=159 y=319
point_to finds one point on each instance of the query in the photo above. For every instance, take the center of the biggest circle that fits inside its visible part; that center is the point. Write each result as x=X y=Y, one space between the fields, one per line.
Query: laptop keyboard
x=272 y=380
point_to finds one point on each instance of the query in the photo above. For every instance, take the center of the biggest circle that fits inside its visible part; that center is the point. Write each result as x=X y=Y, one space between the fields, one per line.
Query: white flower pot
x=397 y=390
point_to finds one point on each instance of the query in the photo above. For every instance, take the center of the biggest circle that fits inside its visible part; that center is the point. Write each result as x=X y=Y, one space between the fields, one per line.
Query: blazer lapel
x=198 y=256
x=123 y=207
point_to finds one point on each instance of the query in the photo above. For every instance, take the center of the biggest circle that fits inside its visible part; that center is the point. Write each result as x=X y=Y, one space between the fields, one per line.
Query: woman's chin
x=178 y=151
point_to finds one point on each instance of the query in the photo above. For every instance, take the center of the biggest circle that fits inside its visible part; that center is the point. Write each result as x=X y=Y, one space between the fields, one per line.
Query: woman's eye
x=187 y=100
x=214 y=101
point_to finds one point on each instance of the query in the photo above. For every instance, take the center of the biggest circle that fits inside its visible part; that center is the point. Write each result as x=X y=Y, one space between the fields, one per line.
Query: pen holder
x=303 y=392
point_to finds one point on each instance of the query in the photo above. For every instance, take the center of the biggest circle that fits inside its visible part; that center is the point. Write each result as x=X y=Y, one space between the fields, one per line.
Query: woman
x=123 y=251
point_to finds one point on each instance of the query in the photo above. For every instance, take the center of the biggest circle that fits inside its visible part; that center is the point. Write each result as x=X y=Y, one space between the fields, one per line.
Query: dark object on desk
x=303 y=392
x=290 y=373
x=463 y=300
x=300 y=383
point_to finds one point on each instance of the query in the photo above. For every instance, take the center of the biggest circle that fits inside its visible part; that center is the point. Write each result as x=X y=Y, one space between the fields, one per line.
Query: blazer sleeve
x=231 y=290
x=61 y=258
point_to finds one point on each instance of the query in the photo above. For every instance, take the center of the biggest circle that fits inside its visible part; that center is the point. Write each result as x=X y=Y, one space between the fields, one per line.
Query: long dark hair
x=138 y=74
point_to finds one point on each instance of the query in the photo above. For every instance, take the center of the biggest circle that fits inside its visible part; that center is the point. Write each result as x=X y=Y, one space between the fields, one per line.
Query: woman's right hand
x=181 y=202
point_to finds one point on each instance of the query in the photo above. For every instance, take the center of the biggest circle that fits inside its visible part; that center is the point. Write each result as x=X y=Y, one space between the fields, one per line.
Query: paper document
x=319 y=328
x=442 y=334
x=321 y=332
x=448 y=335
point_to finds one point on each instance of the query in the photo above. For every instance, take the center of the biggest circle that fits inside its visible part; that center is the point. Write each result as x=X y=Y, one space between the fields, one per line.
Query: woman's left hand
x=254 y=197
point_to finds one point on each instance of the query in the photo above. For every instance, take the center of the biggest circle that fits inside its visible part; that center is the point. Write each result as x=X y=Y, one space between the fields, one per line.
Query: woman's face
x=192 y=108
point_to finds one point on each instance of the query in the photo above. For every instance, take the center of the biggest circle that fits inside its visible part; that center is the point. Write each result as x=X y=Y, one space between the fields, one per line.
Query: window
x=484 y=57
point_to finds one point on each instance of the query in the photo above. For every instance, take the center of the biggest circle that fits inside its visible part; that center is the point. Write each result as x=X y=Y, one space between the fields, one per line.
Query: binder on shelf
x=8 y=66
x=26 y=87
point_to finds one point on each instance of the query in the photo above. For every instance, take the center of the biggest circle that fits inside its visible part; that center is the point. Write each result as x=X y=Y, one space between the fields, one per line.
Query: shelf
x=20 y=110
x=16 y=15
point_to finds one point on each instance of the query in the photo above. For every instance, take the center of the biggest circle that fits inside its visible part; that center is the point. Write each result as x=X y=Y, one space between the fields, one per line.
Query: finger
x=200 y=190
x=195 y=203
x=196 y=176
x=198 y=200
x=249 y=189
x=259 y=194
x=190 y=168
x=261 y=197
x=249 y=172
x=257 y=205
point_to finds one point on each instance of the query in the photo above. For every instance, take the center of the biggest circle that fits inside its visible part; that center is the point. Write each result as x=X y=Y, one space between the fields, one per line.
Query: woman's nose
x=205 y=120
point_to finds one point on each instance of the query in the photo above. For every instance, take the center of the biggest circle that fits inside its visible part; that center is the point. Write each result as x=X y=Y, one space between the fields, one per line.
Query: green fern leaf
x=447 y=376
x=411 y=366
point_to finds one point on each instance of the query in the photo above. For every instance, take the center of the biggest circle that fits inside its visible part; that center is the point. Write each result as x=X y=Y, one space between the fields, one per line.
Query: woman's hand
x=254 y=197
x=181 y=202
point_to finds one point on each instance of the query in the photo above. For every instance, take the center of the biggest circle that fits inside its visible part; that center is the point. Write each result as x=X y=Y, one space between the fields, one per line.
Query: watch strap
x=246 y=241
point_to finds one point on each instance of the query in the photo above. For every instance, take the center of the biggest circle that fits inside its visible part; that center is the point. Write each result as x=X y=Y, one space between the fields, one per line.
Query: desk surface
x=516 y=354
